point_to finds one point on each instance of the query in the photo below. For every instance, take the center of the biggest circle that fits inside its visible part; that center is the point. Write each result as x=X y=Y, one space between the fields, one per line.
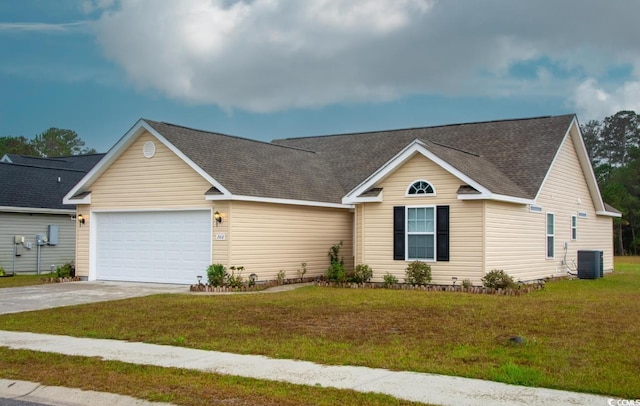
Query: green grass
x=22 y=280
x=581 y=335
x=173 y=385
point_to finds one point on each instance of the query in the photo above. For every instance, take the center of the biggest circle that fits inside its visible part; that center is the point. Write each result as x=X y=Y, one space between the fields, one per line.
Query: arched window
x=419 y=188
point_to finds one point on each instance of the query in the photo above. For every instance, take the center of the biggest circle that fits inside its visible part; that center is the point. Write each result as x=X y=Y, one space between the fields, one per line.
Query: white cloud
x=594 y=102
x=268 y=55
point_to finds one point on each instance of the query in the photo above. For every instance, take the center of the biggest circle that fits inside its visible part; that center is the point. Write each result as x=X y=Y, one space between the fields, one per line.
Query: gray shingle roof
x=252 y=168
x=509 y=157
x=41 y=183
x=79 y=162
x=36 y=187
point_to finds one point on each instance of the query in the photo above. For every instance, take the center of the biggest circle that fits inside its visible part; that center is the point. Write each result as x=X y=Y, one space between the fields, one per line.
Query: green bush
x=466 y=283
x=389 y=280
x=1 y=271
x=216 y=274
x=336 y=272
x=235 y=280
x=418 y=273
x=67 y=270
x=361 y=274
x=281 y=276
x=498 y=279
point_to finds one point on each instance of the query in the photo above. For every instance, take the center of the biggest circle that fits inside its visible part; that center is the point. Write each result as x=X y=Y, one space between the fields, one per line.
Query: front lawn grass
x=178 y=386
x=22 y=280
x=581 y=335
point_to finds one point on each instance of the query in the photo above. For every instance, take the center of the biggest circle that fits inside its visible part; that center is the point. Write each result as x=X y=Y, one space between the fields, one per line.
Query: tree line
x=50 y=143
x=613 y=145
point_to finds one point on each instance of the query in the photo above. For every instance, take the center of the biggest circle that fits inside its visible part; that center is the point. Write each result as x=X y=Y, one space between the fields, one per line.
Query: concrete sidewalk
x=59 y=396
x=421 y=387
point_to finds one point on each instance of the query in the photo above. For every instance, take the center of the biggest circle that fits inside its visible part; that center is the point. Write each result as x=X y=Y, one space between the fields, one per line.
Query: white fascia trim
x=416 y=146
x=188 y=161
x=84 y=200
x=608 y=213
x=32 y=210
x=118 y=149
x=279 y=201
x=356 y=200
x=497 y=197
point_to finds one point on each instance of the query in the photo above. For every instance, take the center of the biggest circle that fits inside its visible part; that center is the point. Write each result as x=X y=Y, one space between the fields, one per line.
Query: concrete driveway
x=37 y=297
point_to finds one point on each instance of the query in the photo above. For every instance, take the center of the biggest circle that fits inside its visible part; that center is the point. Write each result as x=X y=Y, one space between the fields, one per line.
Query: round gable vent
x=149 y=149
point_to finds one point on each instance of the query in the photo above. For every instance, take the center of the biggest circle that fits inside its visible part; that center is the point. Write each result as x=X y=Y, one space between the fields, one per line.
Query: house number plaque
x=221 y=237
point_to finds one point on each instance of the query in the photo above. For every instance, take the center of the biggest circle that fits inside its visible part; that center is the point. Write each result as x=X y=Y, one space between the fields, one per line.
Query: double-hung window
x=574 y=227
x=551 y=235
x=421 y=233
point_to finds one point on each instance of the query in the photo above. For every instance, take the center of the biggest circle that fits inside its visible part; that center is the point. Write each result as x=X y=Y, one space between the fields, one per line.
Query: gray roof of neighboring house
x=79 y=162
x=41 y=183
x=253 y=168
x=509 y=157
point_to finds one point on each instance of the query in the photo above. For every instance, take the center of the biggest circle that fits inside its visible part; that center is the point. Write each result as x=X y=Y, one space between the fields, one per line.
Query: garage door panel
x=164 y=247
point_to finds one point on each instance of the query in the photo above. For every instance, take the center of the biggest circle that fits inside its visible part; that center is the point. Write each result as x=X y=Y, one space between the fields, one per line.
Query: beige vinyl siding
x=267 y=238
x=164 y=181
x=134 y=182
x=516 y=237
x=29 y=225
x=466 y=241
x=82 y=242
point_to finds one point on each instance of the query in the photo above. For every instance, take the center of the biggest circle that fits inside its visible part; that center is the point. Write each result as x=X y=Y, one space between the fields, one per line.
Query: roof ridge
x=232 y=136
x=391 y=130
x=43 y=167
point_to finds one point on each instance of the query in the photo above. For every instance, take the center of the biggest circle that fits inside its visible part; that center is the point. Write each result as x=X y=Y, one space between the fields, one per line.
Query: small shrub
x=302 y=271
x=361 y=274
x=498 y=279
x=281 y=276
x=66 y=271
x=235 y=280
x=336 y=273
x=1 y=271
x=334 y=254
x=216 y=274
x=418 y=273
x=466 y=283
x=389 y=280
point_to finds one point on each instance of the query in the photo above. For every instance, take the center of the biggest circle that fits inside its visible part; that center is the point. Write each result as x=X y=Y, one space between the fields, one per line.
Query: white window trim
x=406 y=233
x=547 y=235
x=406 y=193
x=574 y=228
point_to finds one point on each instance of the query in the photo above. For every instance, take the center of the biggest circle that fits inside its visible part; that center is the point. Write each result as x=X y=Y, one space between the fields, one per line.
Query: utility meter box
x=52 y=234
x=41 y=239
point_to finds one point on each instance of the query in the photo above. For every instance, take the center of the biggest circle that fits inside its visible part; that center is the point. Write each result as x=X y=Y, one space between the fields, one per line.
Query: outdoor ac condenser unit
x=590 y=264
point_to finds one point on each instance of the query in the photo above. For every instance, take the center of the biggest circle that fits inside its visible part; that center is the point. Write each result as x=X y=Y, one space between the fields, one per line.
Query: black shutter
x=442 y=233
x=398 y=232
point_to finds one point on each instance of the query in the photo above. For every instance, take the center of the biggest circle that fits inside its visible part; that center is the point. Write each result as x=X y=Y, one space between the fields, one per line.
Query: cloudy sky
x=268 y=69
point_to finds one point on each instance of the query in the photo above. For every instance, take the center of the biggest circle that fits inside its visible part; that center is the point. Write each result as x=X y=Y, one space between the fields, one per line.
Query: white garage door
x=159 y=246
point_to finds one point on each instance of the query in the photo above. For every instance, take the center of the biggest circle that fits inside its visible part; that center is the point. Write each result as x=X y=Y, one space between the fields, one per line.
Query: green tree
x=16 y=145
x=620 y=133
x=59 y=142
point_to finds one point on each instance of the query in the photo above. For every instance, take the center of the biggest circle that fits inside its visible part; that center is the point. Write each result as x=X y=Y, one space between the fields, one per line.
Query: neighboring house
x=517 y=195
x=31 y=205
